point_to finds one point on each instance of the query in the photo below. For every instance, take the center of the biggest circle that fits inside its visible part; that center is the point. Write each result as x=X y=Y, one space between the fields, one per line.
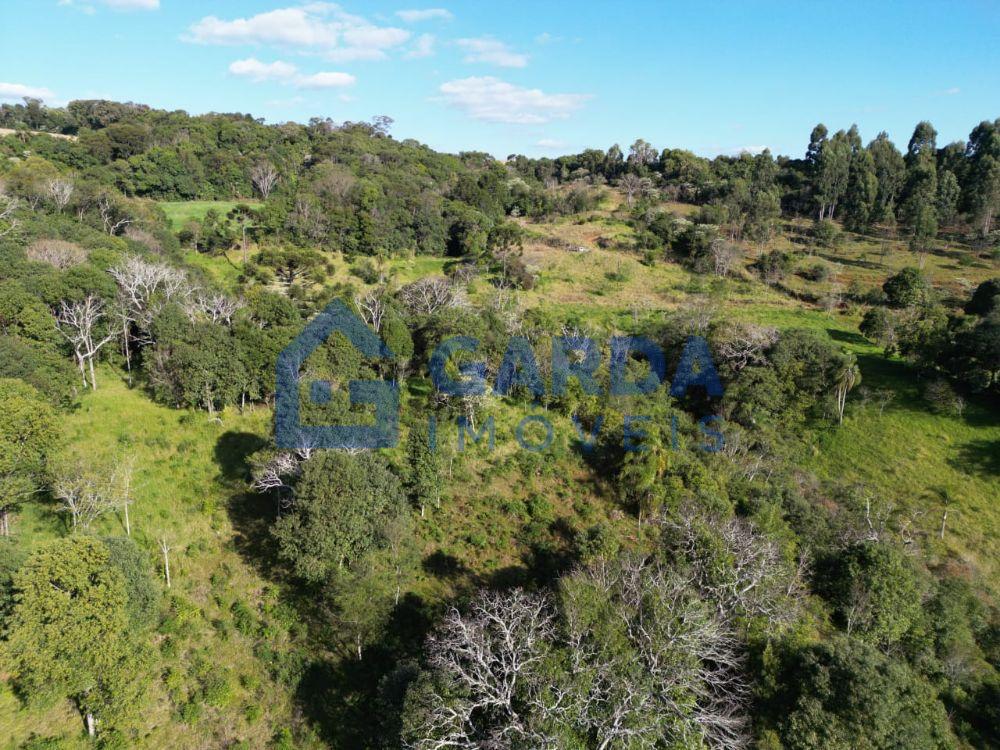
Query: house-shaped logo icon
x=290 y=433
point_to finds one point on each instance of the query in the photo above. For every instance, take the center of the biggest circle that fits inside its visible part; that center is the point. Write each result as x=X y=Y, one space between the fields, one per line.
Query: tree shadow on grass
x=847 y=337
x=232 y=450
x=978 y=457
x=353 y=702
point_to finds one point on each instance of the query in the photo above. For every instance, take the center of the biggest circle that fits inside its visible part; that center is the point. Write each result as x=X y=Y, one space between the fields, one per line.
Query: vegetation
x=807 y=559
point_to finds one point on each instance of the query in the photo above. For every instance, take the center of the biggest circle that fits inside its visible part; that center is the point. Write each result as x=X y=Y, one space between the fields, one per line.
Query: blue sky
x=539 y=78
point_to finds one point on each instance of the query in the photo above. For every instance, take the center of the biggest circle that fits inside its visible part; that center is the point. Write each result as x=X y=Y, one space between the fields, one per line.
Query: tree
x=906 y=288
x=920 y=195
x=862 y=192
x=79 y=323
x=69 y=636
x=85 y=492
x=982 y=186
x=264 y=176
x=245 y=217
x=641 y=155
x=633 y=185
x=341 y=505
x=845 y=695
x=948 y=194
x=873 y=590
x=425 y=469
x=60 y=191
x=28 y=432
x=890 y=173
x=832 y=173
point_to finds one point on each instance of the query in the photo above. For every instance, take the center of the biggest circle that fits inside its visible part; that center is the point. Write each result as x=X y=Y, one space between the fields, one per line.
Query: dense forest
x=826 y=576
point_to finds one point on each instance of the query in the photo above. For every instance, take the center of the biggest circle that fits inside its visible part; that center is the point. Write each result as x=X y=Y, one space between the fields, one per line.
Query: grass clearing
x=180 y=213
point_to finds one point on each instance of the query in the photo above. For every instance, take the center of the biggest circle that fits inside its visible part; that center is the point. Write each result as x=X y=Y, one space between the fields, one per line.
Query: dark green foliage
x=136 y=568
x=846 y=695
x=874 y=592
x=906 y=288
x=342 y=504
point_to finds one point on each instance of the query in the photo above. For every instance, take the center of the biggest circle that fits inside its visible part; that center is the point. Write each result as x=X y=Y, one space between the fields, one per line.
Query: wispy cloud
x=950 y=92
x=88 y=7
x=490 y=99
x=15 y=92
x=492 y=51
x=287 y=74
x=422 y=47
x=319 y=28
x=549 y=143
x=426 y=14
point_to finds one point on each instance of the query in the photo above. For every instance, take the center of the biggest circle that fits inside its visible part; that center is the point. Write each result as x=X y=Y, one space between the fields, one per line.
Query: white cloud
x=15 y=92
x=422 y=47
x=488 y=50
x=288 y=74
x=427 y=14
x=114 y=5
x=258 y=71
x=493 y=100
x=550 y=143
x=132 y=4
x=328 y=80
x=323 y=28
x=952 y=91
x=752 y=150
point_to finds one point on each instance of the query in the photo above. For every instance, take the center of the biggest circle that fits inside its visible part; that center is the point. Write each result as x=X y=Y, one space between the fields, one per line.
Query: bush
x=826 y=233
x=943 y=398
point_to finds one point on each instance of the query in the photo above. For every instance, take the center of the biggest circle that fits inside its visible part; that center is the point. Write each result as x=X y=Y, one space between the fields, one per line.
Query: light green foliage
x=69 y=633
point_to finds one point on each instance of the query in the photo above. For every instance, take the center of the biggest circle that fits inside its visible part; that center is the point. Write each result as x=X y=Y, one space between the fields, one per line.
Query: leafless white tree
x=144 y=287
x=8 y=205
x=217 y=308
x=373 y=307
x=165 y=550
x=486 y=654
x=724 y=255
x=746 y=344
x=83 y=493
x=632 y=185
x=80 y=325
x=60 y=190
x=264 y=176
x=757 y=580
x=428 y=295
x=112 y=215
x=57 y=253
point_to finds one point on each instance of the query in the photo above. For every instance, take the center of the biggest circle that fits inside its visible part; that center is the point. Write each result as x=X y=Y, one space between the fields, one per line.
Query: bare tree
x=112 y=215
x=485 y=655
x=165 y=550
x=122 y=481
x=724 y=255
x=428 y=295
x=756 y=582
x=57 y=253
x=746 y=344
x=8 y=205
x=145 y=287
x=60 y=190
x=217 y=308
x=79 y=323
x=83 y=493
x=633 y=185
x=373 y=307
x=264 y=176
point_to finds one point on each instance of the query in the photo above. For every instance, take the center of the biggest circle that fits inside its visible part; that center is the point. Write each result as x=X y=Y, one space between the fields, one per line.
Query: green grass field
x=180 y=213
